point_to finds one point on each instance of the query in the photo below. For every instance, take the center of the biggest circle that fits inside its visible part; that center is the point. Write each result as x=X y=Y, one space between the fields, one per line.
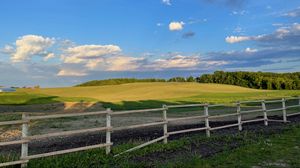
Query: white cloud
x=236 y=39
x=31 y=45
x=177 y=61
x=283 y=35
x=216 y=63
x=250 y=50
x=70 y=72
x=49 y=56
x=123 y=63
x=166 y=2
x=80 y=54
x=8 y=49
x=292 y=13
x=175 y=26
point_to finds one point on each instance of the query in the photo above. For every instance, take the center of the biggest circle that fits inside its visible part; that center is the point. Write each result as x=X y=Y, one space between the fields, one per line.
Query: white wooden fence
x=26 y=138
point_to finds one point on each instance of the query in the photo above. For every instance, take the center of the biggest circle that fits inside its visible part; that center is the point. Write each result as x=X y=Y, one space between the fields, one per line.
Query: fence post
x=206 y=120
x=284 y=110
x=24 y=147
x=263 y=105
x=108 y=131
x=165 y=126
x=238 y=104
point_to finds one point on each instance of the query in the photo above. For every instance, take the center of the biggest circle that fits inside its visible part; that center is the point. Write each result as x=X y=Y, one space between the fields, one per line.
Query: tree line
x=118 y=81
x=257 y=80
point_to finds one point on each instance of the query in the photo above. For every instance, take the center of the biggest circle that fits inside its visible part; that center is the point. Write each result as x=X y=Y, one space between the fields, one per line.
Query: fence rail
x=108 y=113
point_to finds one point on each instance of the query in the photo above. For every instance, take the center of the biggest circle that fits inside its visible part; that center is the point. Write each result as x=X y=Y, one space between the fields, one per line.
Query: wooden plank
x=142 y=145
x=273 y=101
x=66 y=115
x=138 y=126
x=185 y=105
x=251 y=111
x=225 y=126
x=291 y=98
x=251 y=101
x=67 y=151
x=256 y=120
x=264 y=109
x=13 y=142
x=276 y=120
x=24 y=147
x=187 y=130
x=66 y=133
x=238 y=110
x=13 y=163
x=137 y=111
x=165 y=126
x=293 y=114
x=222 y=116
x=277 y=109
x=216 y=105
x=14 y=122
x=206 y=120
x=284 y=110
x=186 y=118
x=293 y=106
x=108 y=132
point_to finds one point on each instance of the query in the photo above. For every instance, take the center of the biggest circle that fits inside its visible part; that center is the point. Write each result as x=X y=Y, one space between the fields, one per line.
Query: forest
x=256 y=80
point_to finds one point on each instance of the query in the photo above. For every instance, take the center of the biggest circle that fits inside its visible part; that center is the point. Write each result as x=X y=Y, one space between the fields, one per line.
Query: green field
x=140 y=95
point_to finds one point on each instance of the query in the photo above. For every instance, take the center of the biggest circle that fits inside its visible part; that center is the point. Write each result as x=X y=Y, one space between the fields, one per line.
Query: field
x=142 y=95
x=257 y=146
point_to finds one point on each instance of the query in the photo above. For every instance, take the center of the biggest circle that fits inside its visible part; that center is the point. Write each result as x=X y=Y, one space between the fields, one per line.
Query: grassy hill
x=147 y=94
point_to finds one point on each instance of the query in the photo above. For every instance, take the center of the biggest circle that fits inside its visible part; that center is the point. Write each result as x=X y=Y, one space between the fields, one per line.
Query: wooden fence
x=108 y=113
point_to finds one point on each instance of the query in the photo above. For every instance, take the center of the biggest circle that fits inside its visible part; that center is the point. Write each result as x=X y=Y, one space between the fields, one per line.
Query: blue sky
x=64 y=42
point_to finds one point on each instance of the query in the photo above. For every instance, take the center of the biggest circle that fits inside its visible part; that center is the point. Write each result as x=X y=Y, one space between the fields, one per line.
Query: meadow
x=143 y=95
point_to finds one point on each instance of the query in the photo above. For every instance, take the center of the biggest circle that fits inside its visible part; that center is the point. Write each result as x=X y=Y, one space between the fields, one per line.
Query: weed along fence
x=205 y=116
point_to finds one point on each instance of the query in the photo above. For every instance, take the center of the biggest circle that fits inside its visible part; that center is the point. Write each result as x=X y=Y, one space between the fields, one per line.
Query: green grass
x=142 y=95
x=255 y=149
x=23 y=97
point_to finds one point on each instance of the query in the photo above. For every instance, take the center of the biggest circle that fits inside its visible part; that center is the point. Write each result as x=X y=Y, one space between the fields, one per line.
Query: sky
x=55 y=43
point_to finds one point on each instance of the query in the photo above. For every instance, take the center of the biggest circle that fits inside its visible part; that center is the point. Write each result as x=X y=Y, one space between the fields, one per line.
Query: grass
x=141 y=95
x=254 y=149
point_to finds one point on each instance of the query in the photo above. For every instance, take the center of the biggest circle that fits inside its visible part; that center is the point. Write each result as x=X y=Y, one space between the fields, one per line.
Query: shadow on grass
x=142 y=104
x=43 y=100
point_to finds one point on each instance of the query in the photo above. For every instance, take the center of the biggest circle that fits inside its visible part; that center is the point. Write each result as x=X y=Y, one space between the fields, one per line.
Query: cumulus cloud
x=28 y=46
x=176 y=61
x=176 y=26
x=82 y=53
x=292 y=13
x=166 y=2
x=286 y=35
x=122 y=63
x=71 y=72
